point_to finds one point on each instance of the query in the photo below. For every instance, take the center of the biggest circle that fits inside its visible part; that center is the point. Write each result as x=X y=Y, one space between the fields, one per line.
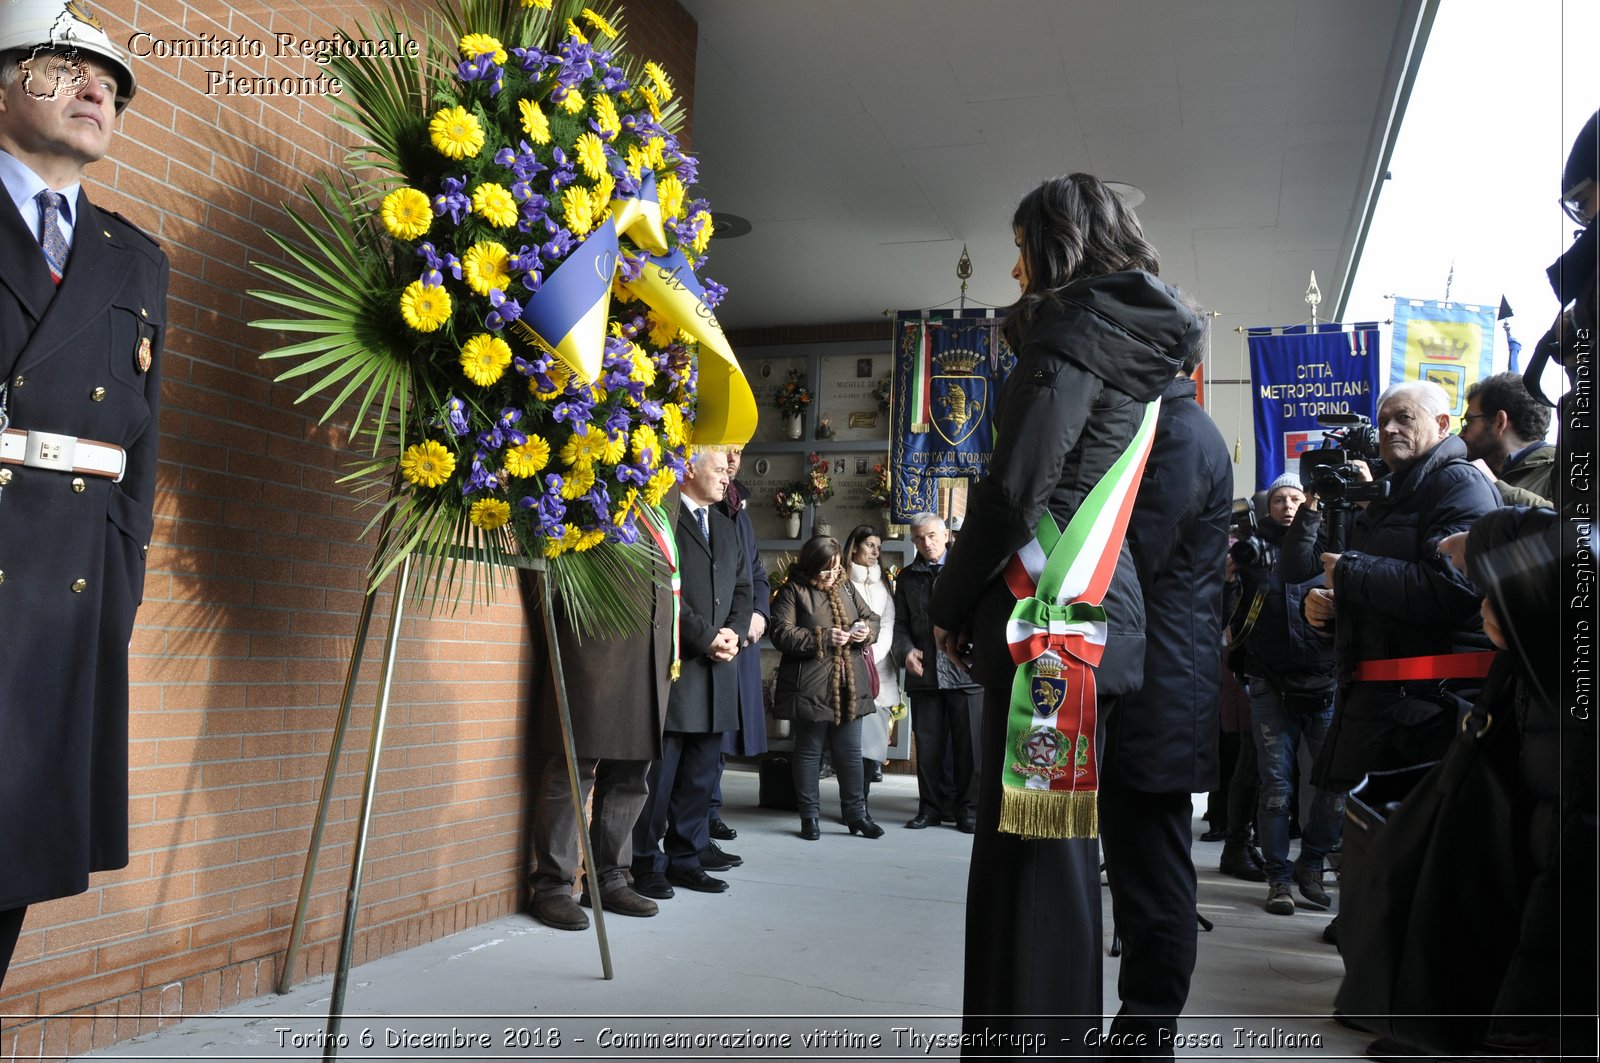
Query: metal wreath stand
x=375 y=749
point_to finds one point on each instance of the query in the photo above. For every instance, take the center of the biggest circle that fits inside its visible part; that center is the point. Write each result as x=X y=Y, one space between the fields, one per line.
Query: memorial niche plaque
x=847 y=398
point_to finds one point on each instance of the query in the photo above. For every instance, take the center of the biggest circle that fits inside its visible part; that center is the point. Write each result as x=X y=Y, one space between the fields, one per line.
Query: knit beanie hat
x=1288 y=479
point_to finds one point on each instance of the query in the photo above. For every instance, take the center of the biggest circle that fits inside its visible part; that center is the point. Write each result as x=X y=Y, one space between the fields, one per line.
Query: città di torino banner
x=1298 y=374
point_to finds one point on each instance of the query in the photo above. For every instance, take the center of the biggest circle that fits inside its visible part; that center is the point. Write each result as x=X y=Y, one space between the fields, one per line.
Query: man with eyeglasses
x=1504 y=429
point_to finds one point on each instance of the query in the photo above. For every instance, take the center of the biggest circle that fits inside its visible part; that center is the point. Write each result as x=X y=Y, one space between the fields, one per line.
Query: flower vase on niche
x=883 y=518
x=819 y=526
x=793 y=426
x=791 y=526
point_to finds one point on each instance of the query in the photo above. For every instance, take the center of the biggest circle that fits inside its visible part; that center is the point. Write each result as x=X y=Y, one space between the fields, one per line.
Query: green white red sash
x=1057 y=635
x=660 y=527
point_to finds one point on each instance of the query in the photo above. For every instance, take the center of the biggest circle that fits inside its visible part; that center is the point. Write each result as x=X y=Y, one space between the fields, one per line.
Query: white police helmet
x=65 y=24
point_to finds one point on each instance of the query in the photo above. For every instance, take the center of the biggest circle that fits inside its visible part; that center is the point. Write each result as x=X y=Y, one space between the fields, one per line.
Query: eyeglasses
x=1468 y=417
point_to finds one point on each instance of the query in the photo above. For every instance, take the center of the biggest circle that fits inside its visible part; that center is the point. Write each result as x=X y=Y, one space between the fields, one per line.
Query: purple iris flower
x=455 y=416
x=626 y=533
x=505 y=311
x=481 y=478
x=474 y=69
x=633 y=474
x=453 y=264
x=558 y=246
x=618 y=423
x=453 y=199
x=574 y=412
x=714 y=291
x=631 y=266
x=651 y=411
x=600 y=499
x=688 y=169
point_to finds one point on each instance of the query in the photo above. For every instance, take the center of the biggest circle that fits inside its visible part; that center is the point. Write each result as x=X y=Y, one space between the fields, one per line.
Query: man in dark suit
x=715 y=617
x=1160 y=742
x=617 y=690
x=750 y=738
x=83 y=298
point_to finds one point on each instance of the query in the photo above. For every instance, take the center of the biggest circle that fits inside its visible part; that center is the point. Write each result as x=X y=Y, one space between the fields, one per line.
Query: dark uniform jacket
x=1084 y=373
x=715 y=594
x=82 y=360
x=1163 y=737
x=802 y=617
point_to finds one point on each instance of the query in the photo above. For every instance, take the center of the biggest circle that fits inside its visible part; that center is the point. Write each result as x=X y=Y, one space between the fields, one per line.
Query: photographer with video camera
x=1289 y=668
x=1404 y=622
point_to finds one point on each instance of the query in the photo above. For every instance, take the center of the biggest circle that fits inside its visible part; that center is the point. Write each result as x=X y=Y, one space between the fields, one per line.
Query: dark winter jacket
x=1281 y=646
x=1163 y=737
x=801 y=619
x=1086 y=368
x=913 y=630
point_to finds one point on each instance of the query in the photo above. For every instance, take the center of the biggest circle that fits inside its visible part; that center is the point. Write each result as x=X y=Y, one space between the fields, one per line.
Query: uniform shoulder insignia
x=132 y=228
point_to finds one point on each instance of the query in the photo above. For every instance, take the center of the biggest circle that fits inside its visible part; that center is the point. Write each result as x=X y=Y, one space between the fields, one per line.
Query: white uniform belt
x=46 y=450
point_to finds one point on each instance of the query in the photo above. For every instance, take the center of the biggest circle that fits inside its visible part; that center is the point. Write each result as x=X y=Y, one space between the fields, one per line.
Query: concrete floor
x=838 y=940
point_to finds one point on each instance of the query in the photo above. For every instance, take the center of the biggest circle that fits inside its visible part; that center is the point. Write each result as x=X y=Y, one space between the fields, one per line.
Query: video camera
x=1248 y=549
x=1329 y=471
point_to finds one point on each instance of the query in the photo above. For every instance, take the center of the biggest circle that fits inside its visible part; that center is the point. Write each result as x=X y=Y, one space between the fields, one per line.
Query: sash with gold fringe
x=1057 y=635
x=656 y=520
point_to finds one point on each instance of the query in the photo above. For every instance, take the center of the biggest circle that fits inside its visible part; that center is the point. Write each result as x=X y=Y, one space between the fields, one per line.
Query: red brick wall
x=255 y=584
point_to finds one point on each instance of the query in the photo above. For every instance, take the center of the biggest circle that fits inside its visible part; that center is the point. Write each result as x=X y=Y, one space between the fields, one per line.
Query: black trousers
x=939 y=717
x=10 y=928
x=1145 y=838
x=676 y=814
x=1033 y=950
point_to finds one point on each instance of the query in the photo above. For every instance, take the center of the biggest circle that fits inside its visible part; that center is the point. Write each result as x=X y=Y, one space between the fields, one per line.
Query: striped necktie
x=705 y=529
x=50 y=238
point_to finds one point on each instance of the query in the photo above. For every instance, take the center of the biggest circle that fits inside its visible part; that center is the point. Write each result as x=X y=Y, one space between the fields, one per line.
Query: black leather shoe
x=652 y=884
x=712 y=858
x=967 y=822
x=923 y=820
x=721 y=832
x=696 y=880
x=809 y=829
x=1241 y=860
x=1215 y=834
x=865 y=827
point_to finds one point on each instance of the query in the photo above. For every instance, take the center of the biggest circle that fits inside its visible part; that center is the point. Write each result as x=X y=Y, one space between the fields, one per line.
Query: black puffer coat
x=1085 y=370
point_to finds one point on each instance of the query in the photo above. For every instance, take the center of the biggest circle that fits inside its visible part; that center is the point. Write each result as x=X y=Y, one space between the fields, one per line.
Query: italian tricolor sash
x=655 y=519
x=1057 y=634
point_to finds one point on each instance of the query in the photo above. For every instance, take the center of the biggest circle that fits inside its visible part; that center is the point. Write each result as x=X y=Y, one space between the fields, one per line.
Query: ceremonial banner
x=948 y=371
x=1296 y=375
x=1451 y=344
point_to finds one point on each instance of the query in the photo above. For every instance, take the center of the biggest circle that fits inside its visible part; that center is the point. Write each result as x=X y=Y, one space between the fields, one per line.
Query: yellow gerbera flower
x=663 y=481
x=655 y=152
x=615 y=447
x=578 y=482
x=557 y=547
x=406 y=213
x=484 y=358
x=542 y=5
x=492 y=203
x=651 y=102
x=600 y=24
x=669 y=193
x=575 y=33
x=573 y=101
x=662 y=331
x=644 y=370
x=427 y=464
x=591 y=152
x=559 y=374
x=626 y=508
x=584 y=448
x=476 y=44
x=672 y=425
x=605 y=114
x=589 y=540
x=636 y=163
x=534 y=122
x=526 y=460
x=486 y=266
x=424 y=306
x=579 y=211
x=702 y=236
x=490 y=513
x=644 y=440
x=600 y=195
x=660 y=84
x=455 y=132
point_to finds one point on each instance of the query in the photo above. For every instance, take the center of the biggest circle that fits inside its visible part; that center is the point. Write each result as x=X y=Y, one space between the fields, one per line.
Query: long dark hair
x=816 y=555
x=1072 y=227
x=859 y=534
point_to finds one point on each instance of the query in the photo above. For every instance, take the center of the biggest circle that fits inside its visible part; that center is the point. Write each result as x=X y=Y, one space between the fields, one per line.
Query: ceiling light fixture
x=1131 y=195
x=728 y=226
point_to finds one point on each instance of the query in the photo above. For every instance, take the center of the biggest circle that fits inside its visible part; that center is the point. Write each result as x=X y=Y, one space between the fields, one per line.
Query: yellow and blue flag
x=1451 y=344
x=567 y=315
x=726 y=408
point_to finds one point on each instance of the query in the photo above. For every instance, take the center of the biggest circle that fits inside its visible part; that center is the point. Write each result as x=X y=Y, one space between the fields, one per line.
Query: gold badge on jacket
x=144 y=357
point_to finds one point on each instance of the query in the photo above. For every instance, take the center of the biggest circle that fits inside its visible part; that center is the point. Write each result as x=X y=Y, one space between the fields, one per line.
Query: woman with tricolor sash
x=1039 y=598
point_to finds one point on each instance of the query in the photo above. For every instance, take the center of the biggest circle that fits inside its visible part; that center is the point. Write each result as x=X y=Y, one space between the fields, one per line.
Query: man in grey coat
x=715 y=615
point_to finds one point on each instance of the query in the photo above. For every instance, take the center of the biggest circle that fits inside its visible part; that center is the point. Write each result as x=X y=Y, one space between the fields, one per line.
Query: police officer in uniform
x=82 y=317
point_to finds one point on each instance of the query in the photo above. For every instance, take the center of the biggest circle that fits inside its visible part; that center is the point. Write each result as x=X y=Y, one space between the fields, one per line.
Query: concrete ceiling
x=867 y=140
